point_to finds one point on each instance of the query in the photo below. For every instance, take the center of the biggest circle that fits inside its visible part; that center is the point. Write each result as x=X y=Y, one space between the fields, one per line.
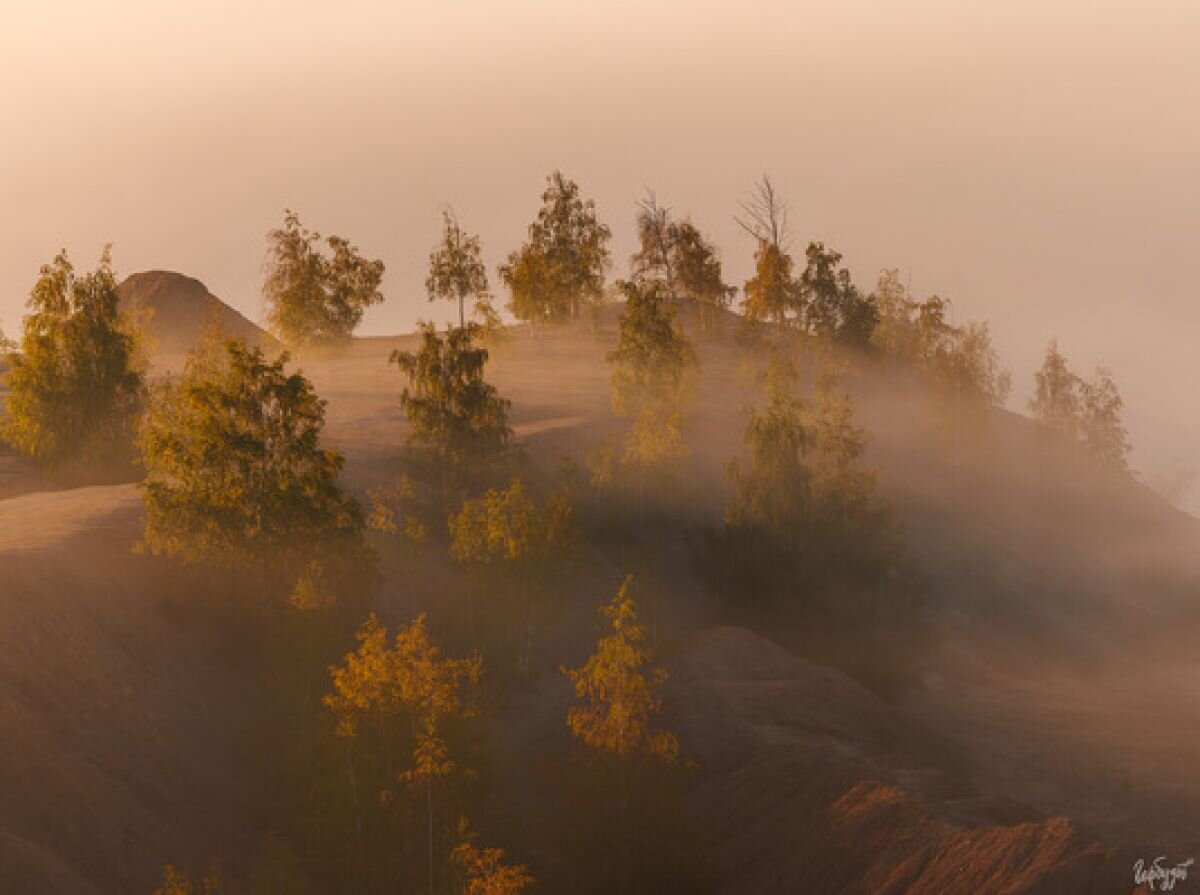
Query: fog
x=1036 y=163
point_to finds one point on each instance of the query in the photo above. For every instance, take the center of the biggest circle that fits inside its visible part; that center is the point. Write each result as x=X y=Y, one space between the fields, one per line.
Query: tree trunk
x=429 y=815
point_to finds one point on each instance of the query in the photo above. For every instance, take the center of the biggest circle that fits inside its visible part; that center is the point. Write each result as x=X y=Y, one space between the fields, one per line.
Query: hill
x=177 y=310
x=1044 y=746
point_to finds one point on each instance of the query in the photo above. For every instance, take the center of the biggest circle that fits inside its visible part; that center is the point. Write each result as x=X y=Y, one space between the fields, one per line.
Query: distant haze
x=1038 y=163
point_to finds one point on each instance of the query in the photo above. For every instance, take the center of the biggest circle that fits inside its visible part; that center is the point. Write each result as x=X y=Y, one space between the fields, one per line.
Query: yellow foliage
x=410 y=678
x=508 y=526
x=617 y=705
x=391 y=511
x=175 y=882
x=487 y=874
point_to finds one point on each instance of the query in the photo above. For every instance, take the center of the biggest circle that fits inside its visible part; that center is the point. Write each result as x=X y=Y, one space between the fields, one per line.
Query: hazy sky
x=1037 y=162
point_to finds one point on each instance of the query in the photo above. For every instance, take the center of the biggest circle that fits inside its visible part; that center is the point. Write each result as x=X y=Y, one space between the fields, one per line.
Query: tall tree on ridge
x=1103 y=433
x=834 y=307
x=456 y=270
x=772 y=293
x=561 y=267
x=676 y=254
x=314 y=299
x=1055 y=402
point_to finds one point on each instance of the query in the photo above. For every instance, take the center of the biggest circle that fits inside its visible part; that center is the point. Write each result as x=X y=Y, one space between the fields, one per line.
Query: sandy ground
x=120 y=729
x=119 y=726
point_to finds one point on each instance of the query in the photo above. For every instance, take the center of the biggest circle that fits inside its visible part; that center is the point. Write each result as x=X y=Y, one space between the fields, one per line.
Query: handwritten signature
x=1160 y=877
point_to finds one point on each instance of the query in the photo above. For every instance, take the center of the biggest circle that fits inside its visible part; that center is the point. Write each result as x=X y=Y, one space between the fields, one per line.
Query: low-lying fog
x=1034 y=162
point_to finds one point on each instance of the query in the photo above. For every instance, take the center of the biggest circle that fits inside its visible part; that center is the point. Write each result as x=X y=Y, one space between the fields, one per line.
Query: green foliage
x=698 y=272
x=676 y=254
x=822 y=301
x=235 y=472
x=830 y=303
x=1103 y=432
x=560 y=269
x=804 y=513
x=968 y=368
x=316 y=299
x=76 y=385
x=456 y=272
x=960 y=360
x=1055 y=402
x=897 y=334
x=1087 y=412
x=650 y=364
x=452 y=411
x=772 y=492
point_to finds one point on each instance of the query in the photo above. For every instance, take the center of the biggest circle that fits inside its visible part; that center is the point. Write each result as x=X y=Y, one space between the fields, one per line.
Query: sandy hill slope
x=1047 y=744
x=119 y=727
x=813 y=784
x=178 y=309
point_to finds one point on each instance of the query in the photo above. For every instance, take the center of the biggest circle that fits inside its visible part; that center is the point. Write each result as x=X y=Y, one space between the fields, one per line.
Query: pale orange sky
x=1037 y=162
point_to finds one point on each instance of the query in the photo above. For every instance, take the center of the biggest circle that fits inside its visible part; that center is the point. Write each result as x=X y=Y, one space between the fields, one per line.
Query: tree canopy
x=617 y=705
x=830 y=304
x=452 y=410
x=677 y=255
x=561 y=266
x=1055 y=402
x=649 y=368
x=457 y=272
x=772 y=293
x=76 y=383
x=1087 y=412
x=316 y=298
x=804 y=510
x=235 y=471
x=507 y=527
x=406 y=693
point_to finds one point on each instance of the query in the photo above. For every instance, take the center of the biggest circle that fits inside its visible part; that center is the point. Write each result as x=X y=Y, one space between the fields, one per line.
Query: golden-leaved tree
x=560 y=268
x=405 y=697
x=506 y=532
x=773 y=293
x=617 y=704
x=628 y=825
x=76 y=383
x=485 y=872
